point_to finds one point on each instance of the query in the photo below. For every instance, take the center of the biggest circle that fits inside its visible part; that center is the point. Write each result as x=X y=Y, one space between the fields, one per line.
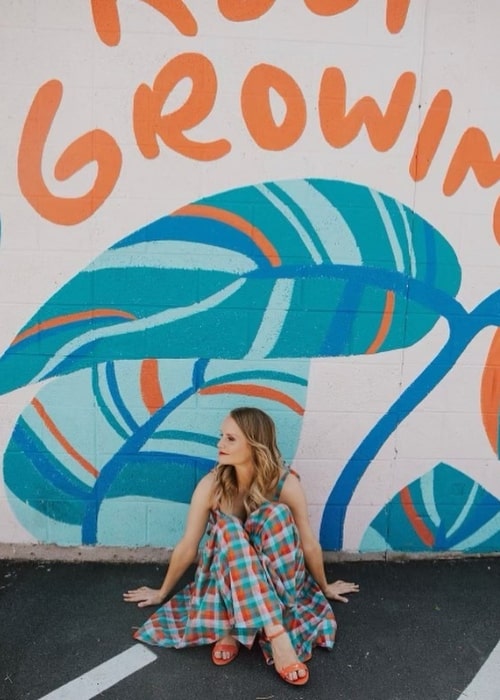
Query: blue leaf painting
x=443 y=510
x=111 y=454
x=291 y=269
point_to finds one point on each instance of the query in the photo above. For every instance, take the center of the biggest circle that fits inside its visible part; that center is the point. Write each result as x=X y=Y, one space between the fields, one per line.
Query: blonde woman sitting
x=260 y=572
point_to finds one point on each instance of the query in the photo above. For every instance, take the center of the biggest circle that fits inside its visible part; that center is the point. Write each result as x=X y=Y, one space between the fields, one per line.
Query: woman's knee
x=271 y=518
x=278 y=511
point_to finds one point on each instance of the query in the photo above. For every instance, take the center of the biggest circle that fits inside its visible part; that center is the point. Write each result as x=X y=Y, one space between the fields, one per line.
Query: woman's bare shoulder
x=209 y=477
x=291 y=486
x=204 y=487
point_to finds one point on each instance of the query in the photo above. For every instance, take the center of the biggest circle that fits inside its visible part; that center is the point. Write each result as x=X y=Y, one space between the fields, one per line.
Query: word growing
x=152 y=122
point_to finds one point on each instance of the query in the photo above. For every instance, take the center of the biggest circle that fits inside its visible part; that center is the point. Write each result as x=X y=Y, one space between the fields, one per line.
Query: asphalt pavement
x=418 y=630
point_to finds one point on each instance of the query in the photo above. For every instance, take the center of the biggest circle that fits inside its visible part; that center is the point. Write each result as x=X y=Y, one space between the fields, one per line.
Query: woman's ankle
x=274 y=630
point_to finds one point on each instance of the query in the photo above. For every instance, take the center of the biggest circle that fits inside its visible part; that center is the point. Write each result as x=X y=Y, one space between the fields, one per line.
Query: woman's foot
x=284 y=657
x=225 y=650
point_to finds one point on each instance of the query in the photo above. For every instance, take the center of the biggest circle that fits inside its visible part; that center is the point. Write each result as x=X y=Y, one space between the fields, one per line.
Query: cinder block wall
x=292 y=205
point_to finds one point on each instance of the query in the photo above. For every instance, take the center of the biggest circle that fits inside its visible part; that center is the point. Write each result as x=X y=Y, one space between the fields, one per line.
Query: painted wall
x=285 y=203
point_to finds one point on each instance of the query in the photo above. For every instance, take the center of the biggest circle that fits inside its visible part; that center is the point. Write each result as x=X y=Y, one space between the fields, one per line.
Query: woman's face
x=233 y=446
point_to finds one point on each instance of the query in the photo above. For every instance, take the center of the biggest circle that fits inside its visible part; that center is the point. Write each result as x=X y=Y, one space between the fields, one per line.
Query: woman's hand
x=144 y=596
x=335 y=590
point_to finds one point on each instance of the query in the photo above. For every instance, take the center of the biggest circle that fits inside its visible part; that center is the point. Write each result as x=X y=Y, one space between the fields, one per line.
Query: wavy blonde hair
x=260 y=432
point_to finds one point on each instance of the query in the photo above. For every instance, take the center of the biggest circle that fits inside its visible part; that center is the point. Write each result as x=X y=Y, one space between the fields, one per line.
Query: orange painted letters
x=257 y=111
x=395 y=15
x=325 y=8
x=149 y=122
x=244 y=10
x=178 y=13
x=96 y=145
x=107 y=20
x=474 y=153
x=340 y=128
x=430 y=134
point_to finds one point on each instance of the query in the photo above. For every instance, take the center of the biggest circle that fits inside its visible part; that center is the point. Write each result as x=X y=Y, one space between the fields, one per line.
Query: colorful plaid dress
x=249 y=575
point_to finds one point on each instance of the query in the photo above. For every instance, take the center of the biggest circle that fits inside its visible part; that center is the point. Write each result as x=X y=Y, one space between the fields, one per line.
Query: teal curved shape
x=444 y=510
x=68 y=473
x=305 y=268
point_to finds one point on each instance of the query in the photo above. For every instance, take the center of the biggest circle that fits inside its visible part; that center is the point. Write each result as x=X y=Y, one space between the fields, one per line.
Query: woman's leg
x=284 y=656
x=249 y=604
x=274 y=536
x=275 y=539
x=307 y=614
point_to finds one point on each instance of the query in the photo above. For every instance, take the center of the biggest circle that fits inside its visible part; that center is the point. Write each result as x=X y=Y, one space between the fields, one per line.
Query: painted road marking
x=105 y=675
x=486 y=682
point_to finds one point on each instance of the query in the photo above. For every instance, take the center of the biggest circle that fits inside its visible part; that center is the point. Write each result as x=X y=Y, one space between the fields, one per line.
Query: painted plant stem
x=462 y=331
x=111 y=469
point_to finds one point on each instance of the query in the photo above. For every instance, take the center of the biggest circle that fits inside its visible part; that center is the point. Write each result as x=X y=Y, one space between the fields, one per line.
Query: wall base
x=139 y=555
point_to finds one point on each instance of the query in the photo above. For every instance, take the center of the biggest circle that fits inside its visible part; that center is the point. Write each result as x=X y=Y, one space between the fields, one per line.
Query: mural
x=229 y=297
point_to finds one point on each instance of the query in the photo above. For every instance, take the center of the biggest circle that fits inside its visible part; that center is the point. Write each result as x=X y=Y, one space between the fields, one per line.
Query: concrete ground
x=418 y=630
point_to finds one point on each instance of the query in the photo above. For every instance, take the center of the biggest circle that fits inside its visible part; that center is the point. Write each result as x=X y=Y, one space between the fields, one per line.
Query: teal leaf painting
x=292 y=269
x=111 y=454
x=444 y=510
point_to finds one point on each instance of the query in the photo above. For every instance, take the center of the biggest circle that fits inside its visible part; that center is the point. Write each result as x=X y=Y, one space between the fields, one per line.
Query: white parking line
x=104 y=676
x=486 y=683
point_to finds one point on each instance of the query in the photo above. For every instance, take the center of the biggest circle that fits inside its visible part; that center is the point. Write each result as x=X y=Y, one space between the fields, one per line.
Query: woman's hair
x=260 y=432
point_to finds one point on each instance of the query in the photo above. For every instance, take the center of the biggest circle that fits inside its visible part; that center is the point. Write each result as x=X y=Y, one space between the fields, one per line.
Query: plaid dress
x=249 y=575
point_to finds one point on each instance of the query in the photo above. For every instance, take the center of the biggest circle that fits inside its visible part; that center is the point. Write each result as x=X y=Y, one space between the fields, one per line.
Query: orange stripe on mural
x=417 y=523
x=67 y=319
x=255 y=390
x=490 y=393
x=385 y=324
x=55 y=432
x=238 y=222
x=150 y=386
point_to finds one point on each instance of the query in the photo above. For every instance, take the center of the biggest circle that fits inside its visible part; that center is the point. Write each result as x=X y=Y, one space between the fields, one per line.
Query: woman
x=260 y=573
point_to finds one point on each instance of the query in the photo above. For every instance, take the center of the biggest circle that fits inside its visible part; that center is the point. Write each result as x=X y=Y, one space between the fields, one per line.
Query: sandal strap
x=219 y=646
x=296 y=666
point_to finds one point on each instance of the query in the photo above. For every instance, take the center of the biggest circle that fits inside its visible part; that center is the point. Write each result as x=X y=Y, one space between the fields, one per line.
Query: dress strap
x=281 y=481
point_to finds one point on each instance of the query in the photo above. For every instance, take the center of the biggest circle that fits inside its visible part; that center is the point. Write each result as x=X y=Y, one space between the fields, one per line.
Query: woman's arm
x=294 y=497
x=185 y=551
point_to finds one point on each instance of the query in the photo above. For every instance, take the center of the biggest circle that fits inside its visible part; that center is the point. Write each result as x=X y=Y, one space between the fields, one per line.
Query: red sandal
x=232 y=649
x=296 y=666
